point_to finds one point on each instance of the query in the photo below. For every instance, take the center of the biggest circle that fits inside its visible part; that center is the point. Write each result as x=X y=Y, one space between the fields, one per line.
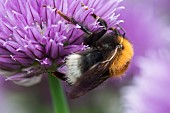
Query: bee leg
x=59 y=75
x=83 y=28
x=71 y=20
x=101 y=21
x=92 y=39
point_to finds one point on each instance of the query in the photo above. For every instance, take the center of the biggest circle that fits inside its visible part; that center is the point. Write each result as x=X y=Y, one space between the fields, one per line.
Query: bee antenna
x=124 y=32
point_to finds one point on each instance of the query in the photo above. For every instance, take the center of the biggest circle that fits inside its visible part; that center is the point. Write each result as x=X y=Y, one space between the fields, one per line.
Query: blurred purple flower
x=162 y=7
x=34 y=39
x=150 y=91
x=143 y=28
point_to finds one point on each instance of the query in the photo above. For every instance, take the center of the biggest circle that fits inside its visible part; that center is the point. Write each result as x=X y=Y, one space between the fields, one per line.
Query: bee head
x=120 y=40
x=118 y=36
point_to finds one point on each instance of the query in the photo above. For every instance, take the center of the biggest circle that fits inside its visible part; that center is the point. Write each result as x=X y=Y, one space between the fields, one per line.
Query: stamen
x=85 y=7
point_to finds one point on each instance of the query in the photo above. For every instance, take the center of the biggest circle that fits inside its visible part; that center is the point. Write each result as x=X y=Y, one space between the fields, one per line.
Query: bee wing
x=94 y=76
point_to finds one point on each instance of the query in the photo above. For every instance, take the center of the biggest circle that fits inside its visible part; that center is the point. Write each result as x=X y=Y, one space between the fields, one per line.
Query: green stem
x=58 y=97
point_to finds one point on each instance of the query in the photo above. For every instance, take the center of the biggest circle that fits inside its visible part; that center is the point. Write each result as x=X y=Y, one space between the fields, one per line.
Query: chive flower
x=34 y=39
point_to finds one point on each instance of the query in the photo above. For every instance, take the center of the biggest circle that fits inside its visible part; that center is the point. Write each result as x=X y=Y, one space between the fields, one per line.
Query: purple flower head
x=35 y=39
x=150 y=91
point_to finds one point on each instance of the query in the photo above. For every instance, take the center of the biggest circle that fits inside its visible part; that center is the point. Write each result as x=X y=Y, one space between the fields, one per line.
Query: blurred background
x=147 y=26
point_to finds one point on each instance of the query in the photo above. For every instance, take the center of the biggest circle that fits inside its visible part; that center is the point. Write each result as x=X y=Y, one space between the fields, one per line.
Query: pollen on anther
x=85 y=7
x=25 y=46
x=12 y=57
x=51 y=40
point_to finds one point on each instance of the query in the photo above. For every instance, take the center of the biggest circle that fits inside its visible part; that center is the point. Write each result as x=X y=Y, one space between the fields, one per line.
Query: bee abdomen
x=79 y=63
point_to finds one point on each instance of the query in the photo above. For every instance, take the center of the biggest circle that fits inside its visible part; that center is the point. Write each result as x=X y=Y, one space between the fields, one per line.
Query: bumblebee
x=109 y=55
